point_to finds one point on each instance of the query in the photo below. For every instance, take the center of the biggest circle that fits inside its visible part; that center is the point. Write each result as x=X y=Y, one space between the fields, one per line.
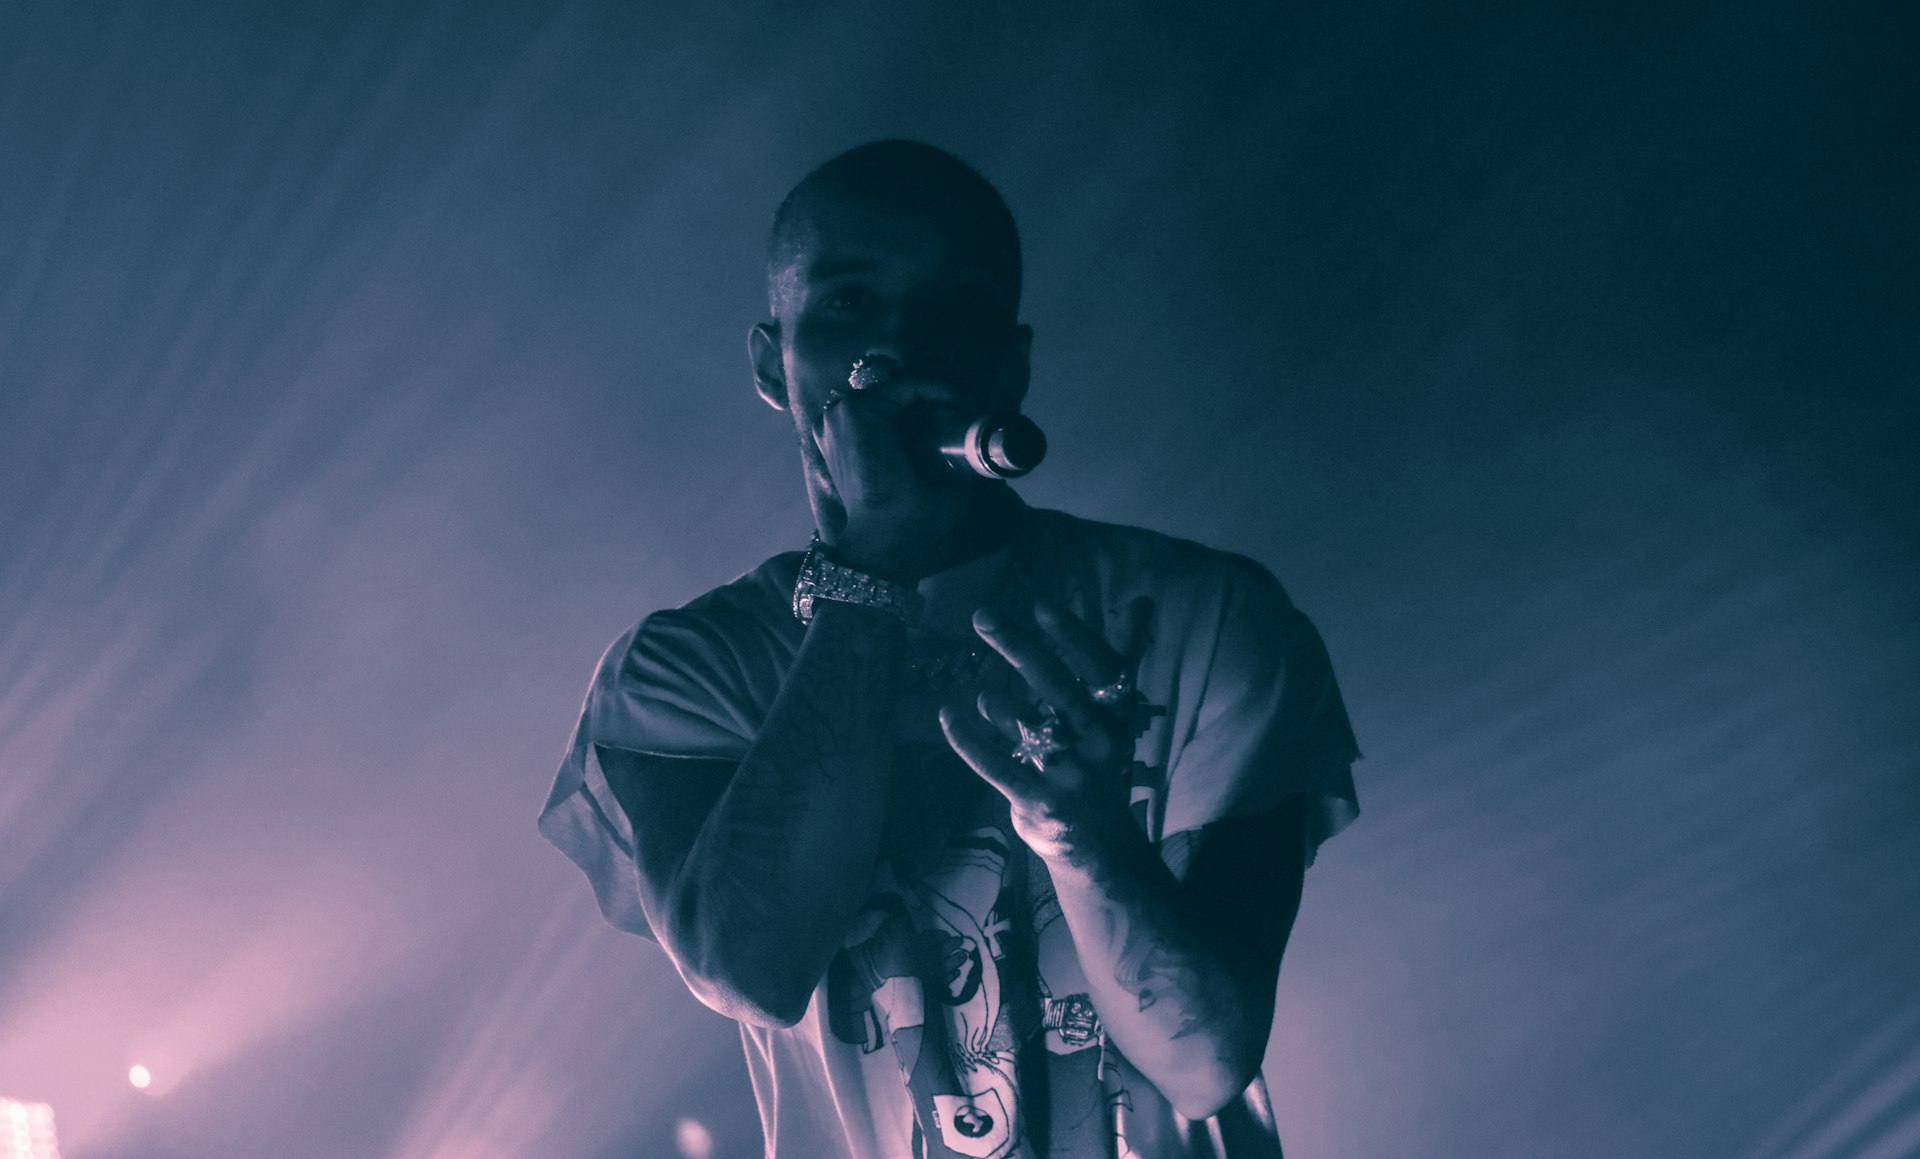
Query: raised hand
x=890 y=511
x=1060 y=759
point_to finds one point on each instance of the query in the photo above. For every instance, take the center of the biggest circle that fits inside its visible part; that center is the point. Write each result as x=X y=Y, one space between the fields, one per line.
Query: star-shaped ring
x=1038 y=742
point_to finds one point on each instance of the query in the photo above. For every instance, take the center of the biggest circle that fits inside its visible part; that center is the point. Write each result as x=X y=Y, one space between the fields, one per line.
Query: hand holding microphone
x=994 y=446
x=901 y=455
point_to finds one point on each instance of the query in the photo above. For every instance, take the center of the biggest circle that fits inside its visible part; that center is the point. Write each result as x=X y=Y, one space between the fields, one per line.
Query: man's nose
x=915 y=339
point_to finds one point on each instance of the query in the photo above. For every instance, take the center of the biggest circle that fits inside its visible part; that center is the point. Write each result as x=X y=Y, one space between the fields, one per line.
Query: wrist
x=1083 y=841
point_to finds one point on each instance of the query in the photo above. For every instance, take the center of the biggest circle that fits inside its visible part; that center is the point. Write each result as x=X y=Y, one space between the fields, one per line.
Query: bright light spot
x=26 y=1130
x=693 y=1139
x=140 y=1077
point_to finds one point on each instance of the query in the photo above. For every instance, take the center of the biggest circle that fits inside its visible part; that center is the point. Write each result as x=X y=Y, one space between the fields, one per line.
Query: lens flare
x=693 y=1139
x=26 y=1131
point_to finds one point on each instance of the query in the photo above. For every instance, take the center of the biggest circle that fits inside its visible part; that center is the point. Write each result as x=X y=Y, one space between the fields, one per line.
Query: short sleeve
x=1269 y=726
x=669 y=688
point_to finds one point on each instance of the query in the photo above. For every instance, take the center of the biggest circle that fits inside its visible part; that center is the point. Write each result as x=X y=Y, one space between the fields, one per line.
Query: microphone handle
x=998 y=446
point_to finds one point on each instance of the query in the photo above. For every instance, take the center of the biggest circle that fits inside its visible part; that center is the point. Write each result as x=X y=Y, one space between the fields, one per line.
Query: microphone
x=1003 y=446
x=994 y=446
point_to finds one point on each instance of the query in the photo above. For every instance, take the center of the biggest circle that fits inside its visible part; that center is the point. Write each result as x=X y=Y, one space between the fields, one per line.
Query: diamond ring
x=1115 y=691
x=873 y=371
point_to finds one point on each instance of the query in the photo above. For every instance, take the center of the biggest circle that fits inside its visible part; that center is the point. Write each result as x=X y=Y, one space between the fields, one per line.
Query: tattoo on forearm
x=823 y=723
x=1149 y=969
x=1151 y=959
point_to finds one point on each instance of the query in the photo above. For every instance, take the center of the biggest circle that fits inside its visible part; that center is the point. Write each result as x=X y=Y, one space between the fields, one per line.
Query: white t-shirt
x=955 y=1020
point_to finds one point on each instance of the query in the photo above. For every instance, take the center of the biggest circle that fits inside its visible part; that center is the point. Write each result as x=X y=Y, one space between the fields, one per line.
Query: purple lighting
x=366 y=367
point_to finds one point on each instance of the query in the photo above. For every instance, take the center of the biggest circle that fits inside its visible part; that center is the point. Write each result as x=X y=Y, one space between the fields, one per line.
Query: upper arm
x=659 y=734
x=1268 y=726
x=665 y=800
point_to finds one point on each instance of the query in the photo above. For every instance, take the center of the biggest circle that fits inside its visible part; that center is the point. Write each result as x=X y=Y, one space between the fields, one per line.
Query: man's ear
x=769 y=373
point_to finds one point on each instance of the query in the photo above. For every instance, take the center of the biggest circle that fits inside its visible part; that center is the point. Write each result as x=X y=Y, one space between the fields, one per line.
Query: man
x=986 y=823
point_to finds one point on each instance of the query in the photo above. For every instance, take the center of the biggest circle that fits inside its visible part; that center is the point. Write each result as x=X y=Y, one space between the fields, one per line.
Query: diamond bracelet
x=823 y=579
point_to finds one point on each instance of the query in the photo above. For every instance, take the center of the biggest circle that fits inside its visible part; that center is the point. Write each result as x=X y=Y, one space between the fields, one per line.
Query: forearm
x=1180 y=1009
x=783 y=861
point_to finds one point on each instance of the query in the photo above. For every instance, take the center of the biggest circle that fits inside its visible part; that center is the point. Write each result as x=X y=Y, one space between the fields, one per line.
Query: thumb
x=1134 y=634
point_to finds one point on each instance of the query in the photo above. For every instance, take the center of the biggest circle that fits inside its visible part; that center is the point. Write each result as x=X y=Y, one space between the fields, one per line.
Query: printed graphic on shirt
x=925 y=971
x=959 y=968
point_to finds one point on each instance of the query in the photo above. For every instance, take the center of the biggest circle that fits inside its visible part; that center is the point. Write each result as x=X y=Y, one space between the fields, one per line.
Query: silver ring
x=1115 y=691
x=871 y=372
x=1039 y=742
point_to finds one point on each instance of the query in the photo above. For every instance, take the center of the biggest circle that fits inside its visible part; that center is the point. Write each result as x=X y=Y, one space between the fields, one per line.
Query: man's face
x=905 y=282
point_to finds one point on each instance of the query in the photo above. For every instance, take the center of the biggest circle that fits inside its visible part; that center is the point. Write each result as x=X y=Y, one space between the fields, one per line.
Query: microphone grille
x=1017 y=446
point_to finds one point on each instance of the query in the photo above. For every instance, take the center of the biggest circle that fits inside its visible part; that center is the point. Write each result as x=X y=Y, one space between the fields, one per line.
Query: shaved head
x=896 y=177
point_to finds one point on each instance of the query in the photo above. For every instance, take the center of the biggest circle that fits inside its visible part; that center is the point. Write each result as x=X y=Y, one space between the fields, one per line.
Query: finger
x=865 y=455
x=1051 y=680
x=877 y=373
x=986 y=754
x=868 y=408
x=1080 y=645
x=1002 y=711
x=908 y=391
x=1136 y=629
x=1092 y=728
x=893 y=394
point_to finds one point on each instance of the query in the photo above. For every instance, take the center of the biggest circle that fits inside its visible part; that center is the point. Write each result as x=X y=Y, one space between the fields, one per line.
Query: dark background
x=366 y=367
